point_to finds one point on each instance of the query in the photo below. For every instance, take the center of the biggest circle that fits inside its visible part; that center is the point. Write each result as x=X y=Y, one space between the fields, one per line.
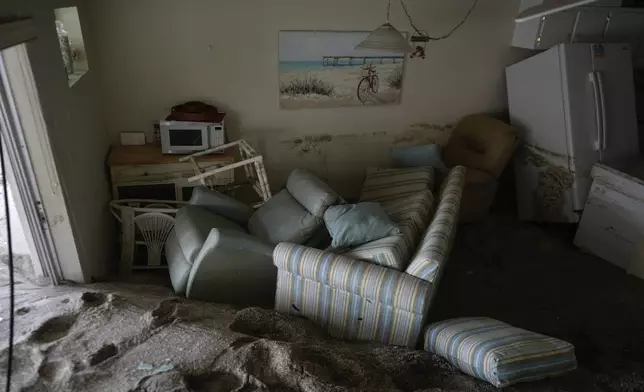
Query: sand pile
x=123 y=340
x=138 y=338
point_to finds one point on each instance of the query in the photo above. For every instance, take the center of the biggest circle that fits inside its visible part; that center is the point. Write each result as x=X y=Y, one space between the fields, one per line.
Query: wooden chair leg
x=127 y=242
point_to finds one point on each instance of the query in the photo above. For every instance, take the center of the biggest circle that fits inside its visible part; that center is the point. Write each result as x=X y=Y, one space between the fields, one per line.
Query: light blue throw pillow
x=356 y=224
x=414 y=156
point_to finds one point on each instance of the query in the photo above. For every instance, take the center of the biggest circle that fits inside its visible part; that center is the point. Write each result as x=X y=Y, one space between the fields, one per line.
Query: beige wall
x=78 y=138
x=153 y=54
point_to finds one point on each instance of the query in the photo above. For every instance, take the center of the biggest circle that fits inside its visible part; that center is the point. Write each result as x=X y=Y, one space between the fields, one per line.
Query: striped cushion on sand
x=437 y=241
x=497 y=352
x=387 y=184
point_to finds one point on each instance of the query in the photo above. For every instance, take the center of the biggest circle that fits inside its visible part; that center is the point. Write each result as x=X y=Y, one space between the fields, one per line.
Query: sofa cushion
x=311 y=192
x=382 y=185
x=416 y=208
x=497 y=352
x=192 y=226
x=283 y=219
x=391 y=252
x=411 y=215
x=221 y=204
x=437 y=240
x=357 y=224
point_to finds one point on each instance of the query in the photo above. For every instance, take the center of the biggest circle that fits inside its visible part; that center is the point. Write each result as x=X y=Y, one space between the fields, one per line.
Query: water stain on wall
x=308 y=144
x=553 y=182
x=343 y=157
x=424 y=133
x=418 y=133
x=352 y=137
x=315 y=143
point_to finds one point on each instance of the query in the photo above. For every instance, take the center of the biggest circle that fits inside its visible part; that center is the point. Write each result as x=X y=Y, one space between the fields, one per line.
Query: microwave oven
x=182 y=137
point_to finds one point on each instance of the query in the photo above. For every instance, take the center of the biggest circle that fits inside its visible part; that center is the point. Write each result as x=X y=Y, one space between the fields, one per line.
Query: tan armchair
x=484 y=145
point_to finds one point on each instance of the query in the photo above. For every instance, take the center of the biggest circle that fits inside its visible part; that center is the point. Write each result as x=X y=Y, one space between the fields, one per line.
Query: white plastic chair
x=125 y=210
x=155 y=228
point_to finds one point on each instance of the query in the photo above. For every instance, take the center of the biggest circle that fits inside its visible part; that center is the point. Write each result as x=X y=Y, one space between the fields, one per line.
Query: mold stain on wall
x=553 y=183
x=309 y=144
x=345 y=157
x=424 y=133
x=416 y=134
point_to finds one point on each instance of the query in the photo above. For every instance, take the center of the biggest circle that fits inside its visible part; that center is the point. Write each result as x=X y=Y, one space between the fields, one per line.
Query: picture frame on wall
x=322 y=69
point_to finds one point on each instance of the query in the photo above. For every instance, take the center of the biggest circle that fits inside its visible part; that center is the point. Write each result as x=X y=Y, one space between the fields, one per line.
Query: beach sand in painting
x=344 y=82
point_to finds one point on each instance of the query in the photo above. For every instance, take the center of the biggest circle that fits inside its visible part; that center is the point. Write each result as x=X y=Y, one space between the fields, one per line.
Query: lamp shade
x=386 y=38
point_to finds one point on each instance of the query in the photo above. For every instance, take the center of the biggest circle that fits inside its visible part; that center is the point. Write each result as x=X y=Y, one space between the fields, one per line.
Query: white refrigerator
x=573 y=106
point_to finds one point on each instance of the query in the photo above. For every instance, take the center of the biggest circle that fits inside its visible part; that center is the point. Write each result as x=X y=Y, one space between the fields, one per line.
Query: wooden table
x=144 y=172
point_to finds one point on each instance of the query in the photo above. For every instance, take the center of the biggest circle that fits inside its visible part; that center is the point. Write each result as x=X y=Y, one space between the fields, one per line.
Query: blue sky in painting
x=313 y=45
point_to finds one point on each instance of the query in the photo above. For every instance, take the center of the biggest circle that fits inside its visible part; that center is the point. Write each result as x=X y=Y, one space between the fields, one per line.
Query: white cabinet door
x=584 y=24
x=544 y=33
x=613 y=221
x=590 y=25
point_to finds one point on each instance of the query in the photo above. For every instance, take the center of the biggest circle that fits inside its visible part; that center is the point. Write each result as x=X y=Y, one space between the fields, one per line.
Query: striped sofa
x=382 y=290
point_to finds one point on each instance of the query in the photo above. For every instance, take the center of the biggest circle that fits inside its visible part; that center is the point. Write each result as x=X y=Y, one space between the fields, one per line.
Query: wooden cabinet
x=583 y=24
x=143 y=172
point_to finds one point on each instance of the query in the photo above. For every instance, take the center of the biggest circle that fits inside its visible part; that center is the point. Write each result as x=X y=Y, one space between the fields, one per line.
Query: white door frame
x=25 y=136
x=40 y=271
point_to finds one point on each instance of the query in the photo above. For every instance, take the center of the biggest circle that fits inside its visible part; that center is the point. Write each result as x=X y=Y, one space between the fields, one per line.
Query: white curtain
x=15 y=30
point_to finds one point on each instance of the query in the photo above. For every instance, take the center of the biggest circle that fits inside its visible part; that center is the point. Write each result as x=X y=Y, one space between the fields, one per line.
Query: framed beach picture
x=322 y=69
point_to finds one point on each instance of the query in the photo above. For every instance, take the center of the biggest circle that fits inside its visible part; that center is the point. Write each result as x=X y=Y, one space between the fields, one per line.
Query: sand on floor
x=129 y=338
x=344 y=81
x=22 y=260
x=144 y=338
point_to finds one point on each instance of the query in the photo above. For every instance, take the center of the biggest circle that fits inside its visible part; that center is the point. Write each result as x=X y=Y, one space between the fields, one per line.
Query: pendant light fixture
x=388 y=38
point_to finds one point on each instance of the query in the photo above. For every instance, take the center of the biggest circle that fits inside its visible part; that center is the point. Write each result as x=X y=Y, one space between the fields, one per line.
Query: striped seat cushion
x=382 y=185
x=437 y=240
x=416 y=208
x=392 y=252
x=411 y=214
x=497 y=352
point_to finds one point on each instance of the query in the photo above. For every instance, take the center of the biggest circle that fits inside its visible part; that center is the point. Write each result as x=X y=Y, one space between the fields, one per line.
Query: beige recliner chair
x=484 y=145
